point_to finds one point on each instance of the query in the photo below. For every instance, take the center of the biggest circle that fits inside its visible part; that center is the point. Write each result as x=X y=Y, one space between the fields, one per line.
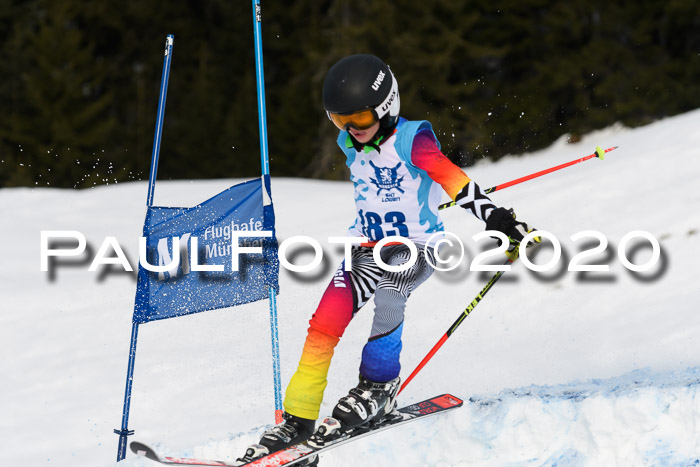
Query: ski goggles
x=363 y=119
x=360 y=120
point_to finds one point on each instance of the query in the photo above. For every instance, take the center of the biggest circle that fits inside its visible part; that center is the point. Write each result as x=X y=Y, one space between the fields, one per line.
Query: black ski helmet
x=360 y=82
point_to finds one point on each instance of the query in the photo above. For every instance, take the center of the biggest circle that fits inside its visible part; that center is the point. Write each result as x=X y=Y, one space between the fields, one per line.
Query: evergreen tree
x=62 y=119
x=80 y=78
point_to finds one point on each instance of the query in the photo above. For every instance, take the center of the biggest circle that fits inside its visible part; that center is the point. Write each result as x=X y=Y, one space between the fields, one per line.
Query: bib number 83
x=373 y=225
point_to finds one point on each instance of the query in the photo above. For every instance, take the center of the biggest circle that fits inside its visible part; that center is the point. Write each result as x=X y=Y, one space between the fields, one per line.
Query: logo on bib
x=387 y=178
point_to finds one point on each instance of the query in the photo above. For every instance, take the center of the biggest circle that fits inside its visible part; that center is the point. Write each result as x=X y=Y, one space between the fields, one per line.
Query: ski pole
x=599 y=153
x=455 y=325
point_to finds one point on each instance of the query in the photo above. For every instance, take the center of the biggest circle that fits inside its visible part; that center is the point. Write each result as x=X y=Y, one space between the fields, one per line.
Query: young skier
x=399 y=174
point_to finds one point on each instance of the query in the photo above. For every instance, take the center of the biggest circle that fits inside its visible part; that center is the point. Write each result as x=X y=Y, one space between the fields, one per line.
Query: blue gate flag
x=181 y=291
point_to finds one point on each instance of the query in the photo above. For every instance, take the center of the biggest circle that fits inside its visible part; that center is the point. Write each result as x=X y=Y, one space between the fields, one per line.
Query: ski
x=297 y=453
x=146 y=451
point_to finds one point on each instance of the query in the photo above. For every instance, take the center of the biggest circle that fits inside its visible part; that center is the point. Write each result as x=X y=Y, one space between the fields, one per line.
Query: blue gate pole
x=159 y=119
x=124 y=432
x=264 y=161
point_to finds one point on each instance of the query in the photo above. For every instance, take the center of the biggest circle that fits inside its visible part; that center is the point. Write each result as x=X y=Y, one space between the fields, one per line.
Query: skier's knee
x=333 y=328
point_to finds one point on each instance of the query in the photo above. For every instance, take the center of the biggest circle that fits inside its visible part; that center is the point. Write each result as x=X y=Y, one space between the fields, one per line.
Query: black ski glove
x=503 y=220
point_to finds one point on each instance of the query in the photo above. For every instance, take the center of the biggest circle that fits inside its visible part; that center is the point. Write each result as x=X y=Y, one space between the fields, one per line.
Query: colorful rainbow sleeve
x=426 y=155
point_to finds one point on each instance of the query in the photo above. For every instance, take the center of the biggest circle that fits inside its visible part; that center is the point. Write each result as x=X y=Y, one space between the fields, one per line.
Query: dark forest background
x=79 y=80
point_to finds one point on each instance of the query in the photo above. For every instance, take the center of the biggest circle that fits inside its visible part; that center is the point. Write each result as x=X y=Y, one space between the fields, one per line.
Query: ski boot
x=293 y=430
x=366 y=404
x=368 y=401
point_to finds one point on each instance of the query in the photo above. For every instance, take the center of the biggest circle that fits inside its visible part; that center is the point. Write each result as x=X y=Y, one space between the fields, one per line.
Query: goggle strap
x=382 y=109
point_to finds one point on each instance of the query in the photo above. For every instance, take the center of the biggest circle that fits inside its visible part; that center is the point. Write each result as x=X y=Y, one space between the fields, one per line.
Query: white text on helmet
x=388 y=102
x=378 y=80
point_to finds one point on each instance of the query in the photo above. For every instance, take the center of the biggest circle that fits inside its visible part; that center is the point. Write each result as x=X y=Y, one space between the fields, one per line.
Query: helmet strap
x=379 y=137
x=355 y=144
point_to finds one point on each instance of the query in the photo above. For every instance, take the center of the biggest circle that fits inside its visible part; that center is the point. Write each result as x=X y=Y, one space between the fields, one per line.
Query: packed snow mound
x=637 y=419
x=640 y=418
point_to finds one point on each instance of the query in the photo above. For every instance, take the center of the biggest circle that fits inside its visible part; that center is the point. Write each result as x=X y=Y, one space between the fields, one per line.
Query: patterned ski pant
x=345 y=295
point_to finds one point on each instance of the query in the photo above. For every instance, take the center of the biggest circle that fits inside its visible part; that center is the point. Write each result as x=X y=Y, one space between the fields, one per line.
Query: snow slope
x=600 y=369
